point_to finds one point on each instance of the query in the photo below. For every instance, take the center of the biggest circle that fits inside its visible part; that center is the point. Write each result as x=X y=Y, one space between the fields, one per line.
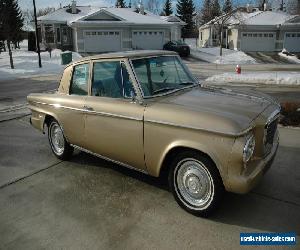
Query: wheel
x=195 y=183
x=60 y=147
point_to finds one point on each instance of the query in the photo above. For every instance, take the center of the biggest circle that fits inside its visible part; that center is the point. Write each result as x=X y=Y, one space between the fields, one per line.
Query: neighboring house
x=94 y=29
x=265 y=31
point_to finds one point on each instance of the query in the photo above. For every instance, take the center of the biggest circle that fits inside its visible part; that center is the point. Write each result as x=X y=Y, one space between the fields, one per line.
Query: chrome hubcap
x=57 y=139
x=194 y=183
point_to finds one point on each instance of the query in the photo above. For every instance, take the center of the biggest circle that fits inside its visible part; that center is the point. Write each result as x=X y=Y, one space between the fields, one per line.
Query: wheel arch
x=175 y=148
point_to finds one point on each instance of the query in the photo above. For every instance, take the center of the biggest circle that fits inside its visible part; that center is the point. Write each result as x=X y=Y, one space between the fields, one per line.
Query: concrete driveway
x=88 y=203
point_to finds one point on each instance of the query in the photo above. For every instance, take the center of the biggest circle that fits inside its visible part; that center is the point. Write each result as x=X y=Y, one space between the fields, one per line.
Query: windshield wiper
x=163 y=90
x=187 y=83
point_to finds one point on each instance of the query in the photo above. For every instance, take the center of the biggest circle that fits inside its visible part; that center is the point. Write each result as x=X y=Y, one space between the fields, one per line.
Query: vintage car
x=144 y=110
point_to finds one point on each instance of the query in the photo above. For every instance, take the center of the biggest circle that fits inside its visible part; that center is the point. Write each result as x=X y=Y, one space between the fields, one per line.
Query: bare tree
x=153 y=6
x=221 y=22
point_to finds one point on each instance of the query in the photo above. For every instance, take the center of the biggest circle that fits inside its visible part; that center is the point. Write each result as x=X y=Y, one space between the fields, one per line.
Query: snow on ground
x=26 y=63
x=290 y=58
x=276 y=78
x=212 y=54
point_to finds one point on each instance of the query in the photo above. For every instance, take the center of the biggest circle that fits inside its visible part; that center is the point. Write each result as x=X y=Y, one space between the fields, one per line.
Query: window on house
x=244 y=35
x=270 y=35
x=201 y=36
x=49 y=34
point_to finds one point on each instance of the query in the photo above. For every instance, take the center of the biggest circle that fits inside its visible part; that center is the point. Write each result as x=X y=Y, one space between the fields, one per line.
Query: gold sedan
x=144 y=110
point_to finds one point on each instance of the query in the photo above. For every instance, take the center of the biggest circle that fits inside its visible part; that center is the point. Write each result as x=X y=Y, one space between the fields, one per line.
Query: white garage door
x=147 y=39
x=102 y=41
x=292 y=41
x=258 y=41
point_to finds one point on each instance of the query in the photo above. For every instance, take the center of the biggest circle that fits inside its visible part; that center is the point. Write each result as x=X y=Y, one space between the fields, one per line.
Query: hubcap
x=57 y=139
x=194 y=183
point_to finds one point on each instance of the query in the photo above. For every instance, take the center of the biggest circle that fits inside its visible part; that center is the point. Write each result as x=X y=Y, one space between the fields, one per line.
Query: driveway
x=88 y=203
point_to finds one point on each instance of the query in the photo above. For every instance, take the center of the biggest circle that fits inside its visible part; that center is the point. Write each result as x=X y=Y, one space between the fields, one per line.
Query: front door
x=113 y=122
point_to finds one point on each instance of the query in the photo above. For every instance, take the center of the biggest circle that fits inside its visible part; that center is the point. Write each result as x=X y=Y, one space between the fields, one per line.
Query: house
x=253 y=31
x=94 y=29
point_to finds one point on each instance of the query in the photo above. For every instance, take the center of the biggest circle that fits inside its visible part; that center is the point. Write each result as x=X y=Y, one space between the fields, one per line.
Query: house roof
x=269 y=18
x=257 y=18
x=121 y=15
x=63 y=16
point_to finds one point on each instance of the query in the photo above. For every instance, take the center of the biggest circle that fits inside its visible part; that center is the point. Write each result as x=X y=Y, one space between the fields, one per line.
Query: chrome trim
x=274 y=115
x=92 y=112
x=55 y=105
x=108 y=159
x=202 y=129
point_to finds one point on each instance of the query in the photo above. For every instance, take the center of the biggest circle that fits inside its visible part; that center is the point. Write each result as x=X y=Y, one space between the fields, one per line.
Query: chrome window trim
x=109 y=159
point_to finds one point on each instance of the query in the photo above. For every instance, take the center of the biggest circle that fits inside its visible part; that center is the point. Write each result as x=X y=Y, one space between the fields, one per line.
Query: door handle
x=87 y=108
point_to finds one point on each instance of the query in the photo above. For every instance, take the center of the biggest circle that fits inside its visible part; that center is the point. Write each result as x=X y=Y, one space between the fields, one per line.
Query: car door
x=113 y=121
x=70 y=105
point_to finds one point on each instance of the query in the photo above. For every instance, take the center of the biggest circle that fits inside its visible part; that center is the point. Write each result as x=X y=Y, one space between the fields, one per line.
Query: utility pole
x=281 y=5
x=37 y=39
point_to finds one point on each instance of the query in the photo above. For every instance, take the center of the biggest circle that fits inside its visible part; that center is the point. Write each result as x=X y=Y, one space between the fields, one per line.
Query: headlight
x=248 y=148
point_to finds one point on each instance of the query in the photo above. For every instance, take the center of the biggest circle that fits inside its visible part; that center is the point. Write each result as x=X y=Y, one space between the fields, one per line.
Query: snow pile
x=291 y=58
x=26 y=63
x=278 y=78
x=212 y=54
x=237 y=57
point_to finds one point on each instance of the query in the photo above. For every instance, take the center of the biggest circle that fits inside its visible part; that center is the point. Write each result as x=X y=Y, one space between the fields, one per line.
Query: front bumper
x=247 y=180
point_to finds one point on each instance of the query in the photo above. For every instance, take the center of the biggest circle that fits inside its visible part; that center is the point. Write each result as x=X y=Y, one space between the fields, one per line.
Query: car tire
x=195 y=183
x=58 y=143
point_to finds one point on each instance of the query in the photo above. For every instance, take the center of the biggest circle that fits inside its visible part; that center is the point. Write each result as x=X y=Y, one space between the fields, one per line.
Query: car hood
x=214 y=109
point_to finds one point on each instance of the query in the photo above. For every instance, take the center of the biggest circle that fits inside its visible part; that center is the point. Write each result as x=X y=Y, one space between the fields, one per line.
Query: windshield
x=162 y=74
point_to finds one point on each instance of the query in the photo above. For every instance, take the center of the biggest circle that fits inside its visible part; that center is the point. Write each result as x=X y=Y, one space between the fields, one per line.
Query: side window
x=127 y=83
x=79 y=84
x=107 y=80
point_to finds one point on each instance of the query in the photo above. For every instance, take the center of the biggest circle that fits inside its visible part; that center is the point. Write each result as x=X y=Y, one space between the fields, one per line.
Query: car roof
x=125 y=54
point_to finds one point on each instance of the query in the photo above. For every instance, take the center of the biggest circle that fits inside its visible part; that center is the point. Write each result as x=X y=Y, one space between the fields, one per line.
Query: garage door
x=258 y=41
x=292 y=41
x=147 y=39
x=102 y=41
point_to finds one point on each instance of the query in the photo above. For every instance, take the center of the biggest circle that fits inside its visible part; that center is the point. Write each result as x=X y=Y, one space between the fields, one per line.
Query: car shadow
x=80 y=157
x=253 y=211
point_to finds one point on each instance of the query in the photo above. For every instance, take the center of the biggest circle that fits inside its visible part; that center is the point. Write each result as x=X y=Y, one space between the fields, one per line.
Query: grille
x=270 y=130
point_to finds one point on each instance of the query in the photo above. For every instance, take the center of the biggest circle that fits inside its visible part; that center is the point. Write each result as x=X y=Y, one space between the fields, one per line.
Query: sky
x=27 y=4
